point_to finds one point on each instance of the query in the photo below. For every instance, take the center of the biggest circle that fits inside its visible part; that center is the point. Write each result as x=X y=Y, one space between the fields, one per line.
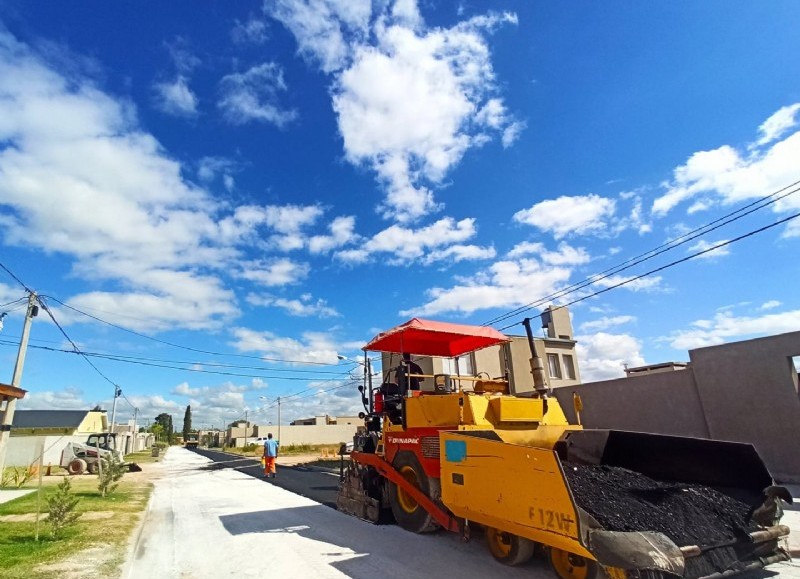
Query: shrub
x=18 y=476
x=110 y=475
x=61 y=507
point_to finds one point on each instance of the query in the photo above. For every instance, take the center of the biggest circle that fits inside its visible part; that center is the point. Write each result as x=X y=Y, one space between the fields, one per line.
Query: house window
x=461 y=366
x=553 y=366
x=569 y=367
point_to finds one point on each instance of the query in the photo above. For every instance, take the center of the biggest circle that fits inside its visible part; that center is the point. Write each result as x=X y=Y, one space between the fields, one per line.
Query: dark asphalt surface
x=317 y=484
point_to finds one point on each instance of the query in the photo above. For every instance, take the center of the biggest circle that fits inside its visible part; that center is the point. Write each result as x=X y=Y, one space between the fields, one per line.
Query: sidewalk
x=10 y=495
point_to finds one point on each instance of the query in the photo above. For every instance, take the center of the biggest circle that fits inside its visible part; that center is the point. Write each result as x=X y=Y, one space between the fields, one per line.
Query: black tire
x=407 y=512
x=76 y=466
x=93 y=467
x=509 y=549
x=571 y=566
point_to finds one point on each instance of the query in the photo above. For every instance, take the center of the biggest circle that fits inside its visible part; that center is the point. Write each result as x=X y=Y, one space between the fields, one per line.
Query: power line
x=87 y=355
x=182 y=347
x=673 y=263
x=127 y=358
x=726 y=219
x=77 y=350
x=17 y=301
x=13 y=275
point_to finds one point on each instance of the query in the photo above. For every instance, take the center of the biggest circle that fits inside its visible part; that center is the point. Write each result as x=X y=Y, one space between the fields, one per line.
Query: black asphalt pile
x=623 y=500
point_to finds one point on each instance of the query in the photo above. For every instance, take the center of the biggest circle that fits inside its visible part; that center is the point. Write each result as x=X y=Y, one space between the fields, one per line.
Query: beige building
x=327 y=420
x=45 y=433
x=556 y=348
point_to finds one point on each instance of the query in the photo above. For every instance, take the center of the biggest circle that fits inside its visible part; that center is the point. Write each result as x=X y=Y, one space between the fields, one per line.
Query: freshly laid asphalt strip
x=314 y=483
x=623 y=500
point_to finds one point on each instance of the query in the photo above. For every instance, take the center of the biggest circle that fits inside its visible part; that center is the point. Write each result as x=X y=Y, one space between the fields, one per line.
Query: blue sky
x=239 y=192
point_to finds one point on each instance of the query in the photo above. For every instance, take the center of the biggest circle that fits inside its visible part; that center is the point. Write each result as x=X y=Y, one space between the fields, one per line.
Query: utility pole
x=279 y=418
x=117 y=392
x=134 y=446
x=8 y=415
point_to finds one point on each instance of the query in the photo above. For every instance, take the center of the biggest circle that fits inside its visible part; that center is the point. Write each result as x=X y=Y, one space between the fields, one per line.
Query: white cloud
x=253 y=96
x=457 y=253
x=316 y=347
x=196 y=304
x=342 y=232
x=274 y=272
x=131 y=216
x=70 y=398
x=175 y=97
x=410 y=101
x=703 y=245
x=770 y=305
x=728 y=176
x=208 y=168
x=606 y=322
x=565 y=255
x=253 y=31
x=529 y=272
x=578 y=215
x=650 y=283
x=506 y=284
x=183 y=389
x=603 y=356
x=159 y=243
x=303 y=307
x=288 y=221
x=321 y=27
x=406 y=245
x=777 y=125
x=727 y=327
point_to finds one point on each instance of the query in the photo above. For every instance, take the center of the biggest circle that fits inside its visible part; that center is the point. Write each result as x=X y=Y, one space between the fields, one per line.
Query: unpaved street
x=205 y=523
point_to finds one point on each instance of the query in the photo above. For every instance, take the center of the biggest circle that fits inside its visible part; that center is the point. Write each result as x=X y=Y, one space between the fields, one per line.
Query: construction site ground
x=251 y=528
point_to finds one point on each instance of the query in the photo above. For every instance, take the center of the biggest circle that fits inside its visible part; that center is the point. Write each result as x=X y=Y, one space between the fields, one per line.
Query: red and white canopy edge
x=432 y=338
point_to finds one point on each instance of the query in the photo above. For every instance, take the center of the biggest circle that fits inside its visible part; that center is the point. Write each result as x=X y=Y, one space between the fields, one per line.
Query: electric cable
x=13 y=275
x=726 y=219
x=673 y=263
x=45 y=307
x=182 y=347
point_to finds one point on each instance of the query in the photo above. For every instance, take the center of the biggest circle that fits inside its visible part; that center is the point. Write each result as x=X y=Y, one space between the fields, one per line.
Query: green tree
x=187 y=422
x=113 y=469
x=165 y=420
x=61 y=507
x=157 y=430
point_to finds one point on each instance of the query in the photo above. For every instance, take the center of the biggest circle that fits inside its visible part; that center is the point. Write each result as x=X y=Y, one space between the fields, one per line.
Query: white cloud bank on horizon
x=725 y=326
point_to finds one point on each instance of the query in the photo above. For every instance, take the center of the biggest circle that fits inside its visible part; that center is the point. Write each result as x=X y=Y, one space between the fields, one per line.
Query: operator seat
x=392 y=401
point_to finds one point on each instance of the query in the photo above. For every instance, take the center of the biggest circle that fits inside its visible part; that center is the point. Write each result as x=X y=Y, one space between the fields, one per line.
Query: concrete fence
x=333 y=434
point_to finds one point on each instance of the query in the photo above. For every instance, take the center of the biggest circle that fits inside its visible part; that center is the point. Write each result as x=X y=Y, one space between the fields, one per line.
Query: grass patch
x=323 y=450
x=22 y=557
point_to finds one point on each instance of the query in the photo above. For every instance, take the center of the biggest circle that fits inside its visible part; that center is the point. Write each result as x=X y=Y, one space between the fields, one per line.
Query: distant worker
x=270 y=454
x=404 y=378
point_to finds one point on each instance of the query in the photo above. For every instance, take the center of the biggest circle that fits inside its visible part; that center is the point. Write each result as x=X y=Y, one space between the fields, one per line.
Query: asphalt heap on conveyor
x=624 y=500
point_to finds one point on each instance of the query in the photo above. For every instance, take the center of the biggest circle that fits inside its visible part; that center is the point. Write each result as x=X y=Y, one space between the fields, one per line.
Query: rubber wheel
x=407 y=512
x=92 y=468
x=571 y=566
x=76 y=466
x=507 y=548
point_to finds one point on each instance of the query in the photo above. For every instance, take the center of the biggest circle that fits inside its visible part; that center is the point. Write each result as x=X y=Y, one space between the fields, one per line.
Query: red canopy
x=430 y=338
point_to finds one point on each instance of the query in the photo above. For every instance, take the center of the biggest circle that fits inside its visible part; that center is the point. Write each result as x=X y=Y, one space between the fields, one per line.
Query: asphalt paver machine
x=468 y=453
